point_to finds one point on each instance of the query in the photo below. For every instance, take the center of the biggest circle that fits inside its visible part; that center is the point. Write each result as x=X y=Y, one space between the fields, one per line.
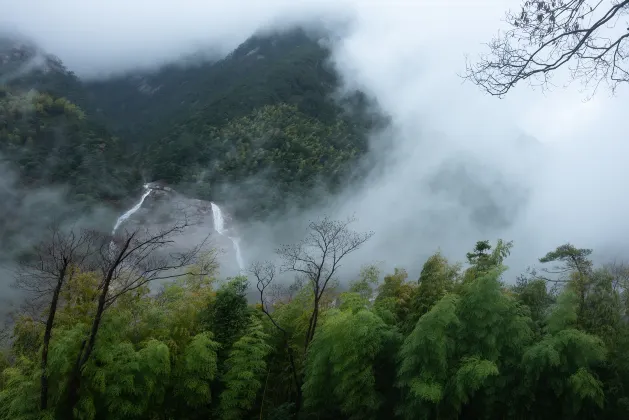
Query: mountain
x=25 y=66
x=266 y=112
x=46 y=137
x=289 y=67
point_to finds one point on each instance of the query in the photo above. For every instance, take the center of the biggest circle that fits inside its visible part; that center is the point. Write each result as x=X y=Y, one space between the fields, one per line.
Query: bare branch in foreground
x=583 y=35
x=318 y=257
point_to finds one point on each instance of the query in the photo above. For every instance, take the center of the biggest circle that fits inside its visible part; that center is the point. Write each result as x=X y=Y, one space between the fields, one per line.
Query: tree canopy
x=455 y=343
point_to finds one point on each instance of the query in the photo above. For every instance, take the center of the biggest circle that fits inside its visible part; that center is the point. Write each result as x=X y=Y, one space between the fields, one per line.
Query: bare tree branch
x=318 y=258
x=582 y=35
x=619 y=270
x=265 y=274
x=129 y=264
x=315 y=259
x=42 y=274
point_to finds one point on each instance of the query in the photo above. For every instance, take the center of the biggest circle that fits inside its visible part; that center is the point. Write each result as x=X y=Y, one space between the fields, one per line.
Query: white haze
x=407 y=54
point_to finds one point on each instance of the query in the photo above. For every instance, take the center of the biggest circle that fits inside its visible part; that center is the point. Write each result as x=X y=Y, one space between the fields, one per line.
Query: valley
x=319 y=224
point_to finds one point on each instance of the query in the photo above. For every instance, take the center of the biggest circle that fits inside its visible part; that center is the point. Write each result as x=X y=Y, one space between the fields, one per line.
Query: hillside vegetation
x=453 y=344
x=267 y=110
x=116 y=326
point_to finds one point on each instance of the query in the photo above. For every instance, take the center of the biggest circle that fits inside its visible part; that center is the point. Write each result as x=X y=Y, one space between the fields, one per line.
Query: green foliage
x=470 y=346
x=573 y=258
x=534 y=295
x=195 y=371
x=451 y=345
x=395 y=295
x=482 y=259
x=437 y=278
x=229 y=314
x=561 y=363
x=27 y=336
x=19 y=399
x=275 y=145
x=244 y=370
x=424 y=359
x=265 y=114
x=439 y=348
x=368 y=278
x=49 y=140
x=339 y=365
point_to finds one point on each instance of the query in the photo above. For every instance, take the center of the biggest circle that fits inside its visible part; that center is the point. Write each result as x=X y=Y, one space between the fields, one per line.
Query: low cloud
x=567 y=184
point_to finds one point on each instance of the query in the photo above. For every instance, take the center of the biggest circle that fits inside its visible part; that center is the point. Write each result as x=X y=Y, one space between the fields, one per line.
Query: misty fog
x=554 y=162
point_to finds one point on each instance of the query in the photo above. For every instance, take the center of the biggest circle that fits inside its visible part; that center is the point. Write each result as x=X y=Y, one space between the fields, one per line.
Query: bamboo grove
x=463 y=341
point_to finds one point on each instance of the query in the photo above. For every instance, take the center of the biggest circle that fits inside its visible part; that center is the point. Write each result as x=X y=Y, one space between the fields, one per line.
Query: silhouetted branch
x=265 y=274
x=549 y=34
x=619 y=271
x=318 y=257
x=42 y=275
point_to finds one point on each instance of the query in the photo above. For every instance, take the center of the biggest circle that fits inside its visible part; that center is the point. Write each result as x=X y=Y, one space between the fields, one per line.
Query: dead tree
x=132 y=264
x=42 y=275
x=583 y=35
x=264 y=274
x=318 y=257
x=619 y=270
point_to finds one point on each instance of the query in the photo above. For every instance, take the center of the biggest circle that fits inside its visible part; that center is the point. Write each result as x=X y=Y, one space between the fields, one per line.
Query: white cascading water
x=217 y=218
x=132 y=210
x=219 y=226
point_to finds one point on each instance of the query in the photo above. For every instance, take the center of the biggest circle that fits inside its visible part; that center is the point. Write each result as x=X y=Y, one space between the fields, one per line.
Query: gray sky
x=407 y=54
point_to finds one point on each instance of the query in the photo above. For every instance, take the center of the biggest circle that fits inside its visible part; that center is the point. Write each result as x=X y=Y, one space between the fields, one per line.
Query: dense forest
x=116 y=326
x=268 y=111
x=458 y=342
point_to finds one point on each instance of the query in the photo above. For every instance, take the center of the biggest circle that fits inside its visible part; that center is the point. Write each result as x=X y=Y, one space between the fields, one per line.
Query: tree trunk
x=43 y=397
x=291 y=359
x=312 y=324
x=74 y=384
x=75 y=381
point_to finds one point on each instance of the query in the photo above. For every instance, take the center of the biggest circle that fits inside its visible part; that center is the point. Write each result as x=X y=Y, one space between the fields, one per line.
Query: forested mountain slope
x=97 y=341
x=266 y=110
x=265 y=70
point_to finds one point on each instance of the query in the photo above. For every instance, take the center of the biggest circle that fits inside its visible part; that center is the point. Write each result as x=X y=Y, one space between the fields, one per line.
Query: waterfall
x=217 y=218
x=219 y=226
x=132 y=210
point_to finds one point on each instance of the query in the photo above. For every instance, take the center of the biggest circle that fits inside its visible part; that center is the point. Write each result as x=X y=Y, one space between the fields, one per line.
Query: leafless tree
x=619 y=270
x=42 y=275
x=128 y=266
x=318 y=257
x=586 y=36
x=264 y=273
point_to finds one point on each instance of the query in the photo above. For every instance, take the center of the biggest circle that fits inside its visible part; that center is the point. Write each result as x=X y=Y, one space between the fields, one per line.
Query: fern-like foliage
x=196 y=370
x=462 y=356
x=424 y=360
x=339 y=365
x=562 y=363
x=19 y=399
x=245 y=369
